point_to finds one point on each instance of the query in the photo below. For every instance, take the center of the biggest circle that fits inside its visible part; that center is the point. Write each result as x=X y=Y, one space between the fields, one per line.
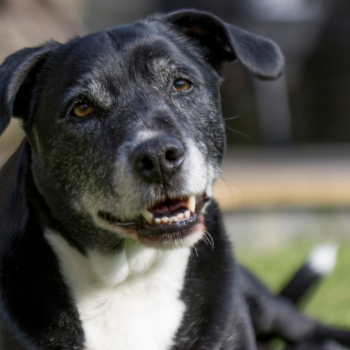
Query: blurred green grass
x=329 y=302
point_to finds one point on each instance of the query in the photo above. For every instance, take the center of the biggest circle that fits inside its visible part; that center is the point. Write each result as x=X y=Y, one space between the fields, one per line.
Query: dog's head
x=125 y=124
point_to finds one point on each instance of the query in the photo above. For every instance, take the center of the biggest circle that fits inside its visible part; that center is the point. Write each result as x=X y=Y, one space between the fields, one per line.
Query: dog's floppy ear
x=225 y=42
x=18 y=75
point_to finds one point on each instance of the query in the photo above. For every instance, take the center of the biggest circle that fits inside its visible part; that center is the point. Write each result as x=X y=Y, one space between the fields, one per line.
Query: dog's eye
x=181 y=85
x=81 y=110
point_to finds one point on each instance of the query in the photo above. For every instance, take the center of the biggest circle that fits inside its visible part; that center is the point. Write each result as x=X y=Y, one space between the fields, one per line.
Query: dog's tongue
x=169 y=207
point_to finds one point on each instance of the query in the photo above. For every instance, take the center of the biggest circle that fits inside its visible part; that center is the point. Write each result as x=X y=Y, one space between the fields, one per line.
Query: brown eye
x=181 y=85
x=81 y=110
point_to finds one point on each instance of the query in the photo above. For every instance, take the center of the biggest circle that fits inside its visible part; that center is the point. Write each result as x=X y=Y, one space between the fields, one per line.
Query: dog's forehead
x=120 y=48
x=110 y=59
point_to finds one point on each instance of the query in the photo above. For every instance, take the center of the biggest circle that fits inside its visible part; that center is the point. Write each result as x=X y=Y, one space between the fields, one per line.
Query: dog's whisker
x=205 y=240
x=234 y=117
x=195 y=249
x=228 y=183
x=240 y=133
x=210 y=239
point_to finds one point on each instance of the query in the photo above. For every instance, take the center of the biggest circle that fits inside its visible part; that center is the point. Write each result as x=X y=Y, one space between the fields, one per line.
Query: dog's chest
x=129 y=300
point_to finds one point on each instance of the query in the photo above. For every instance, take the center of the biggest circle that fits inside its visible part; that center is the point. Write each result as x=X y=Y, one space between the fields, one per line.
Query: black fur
x=277 y=316
x=302 y=282
x=211 y=283
x=226 y=43
x=35 y=304
x=67 y=165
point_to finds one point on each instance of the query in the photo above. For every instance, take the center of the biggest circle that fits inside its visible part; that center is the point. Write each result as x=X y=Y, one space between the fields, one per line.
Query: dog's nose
x=158 y=159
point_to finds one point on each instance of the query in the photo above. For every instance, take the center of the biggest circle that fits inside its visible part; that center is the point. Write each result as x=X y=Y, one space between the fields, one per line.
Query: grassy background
x=329 y=302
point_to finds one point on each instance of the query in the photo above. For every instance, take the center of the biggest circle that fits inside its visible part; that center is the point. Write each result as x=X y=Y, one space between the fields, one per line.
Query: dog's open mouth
x=166 y=217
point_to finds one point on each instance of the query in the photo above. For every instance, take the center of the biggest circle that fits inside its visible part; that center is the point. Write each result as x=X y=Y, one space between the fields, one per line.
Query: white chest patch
x=128 y=300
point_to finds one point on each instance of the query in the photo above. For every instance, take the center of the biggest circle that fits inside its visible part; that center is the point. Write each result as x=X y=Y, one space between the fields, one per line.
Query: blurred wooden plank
x=299 y=176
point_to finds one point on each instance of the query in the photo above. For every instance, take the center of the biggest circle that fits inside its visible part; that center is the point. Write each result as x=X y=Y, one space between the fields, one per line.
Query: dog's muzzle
x=174 y=214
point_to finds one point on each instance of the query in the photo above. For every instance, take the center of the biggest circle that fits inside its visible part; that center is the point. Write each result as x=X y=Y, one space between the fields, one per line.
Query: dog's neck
x=129 y=299
x=107 y=269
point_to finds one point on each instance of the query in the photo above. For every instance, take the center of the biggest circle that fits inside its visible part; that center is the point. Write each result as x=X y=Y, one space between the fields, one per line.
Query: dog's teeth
x=180 y=216
x=187 y=214
x=147 y=215
x=165 y=220
x=173 y=219
x=157 y=221
x=191 y=204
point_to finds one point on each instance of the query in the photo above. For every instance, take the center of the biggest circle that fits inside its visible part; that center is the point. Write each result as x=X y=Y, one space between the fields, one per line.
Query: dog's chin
x=167 y=224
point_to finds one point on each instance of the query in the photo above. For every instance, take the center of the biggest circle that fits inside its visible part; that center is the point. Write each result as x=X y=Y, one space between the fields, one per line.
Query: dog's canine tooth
x=147 y=215
x=180 y=216
x=187 y=214
x=165 y=220
x=191 y=203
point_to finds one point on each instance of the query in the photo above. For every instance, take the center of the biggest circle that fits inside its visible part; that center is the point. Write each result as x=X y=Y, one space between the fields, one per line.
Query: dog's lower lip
x=146 y=230
x=114 y=221
x=186 y=219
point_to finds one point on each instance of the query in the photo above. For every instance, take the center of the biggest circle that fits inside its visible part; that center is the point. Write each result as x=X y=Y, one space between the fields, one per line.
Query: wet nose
x=158 y=159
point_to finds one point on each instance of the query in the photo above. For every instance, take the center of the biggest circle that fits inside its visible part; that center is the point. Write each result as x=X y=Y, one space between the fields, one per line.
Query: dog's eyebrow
x=93 y=89
x=168 y=65
x=163 y=56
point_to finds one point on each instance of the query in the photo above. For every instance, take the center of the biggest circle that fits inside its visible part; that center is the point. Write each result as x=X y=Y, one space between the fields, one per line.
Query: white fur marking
x=323 y=258
x=196 y=170
x=128 y=300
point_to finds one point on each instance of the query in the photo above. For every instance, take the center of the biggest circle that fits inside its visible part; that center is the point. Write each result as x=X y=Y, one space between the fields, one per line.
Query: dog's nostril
x=146 y=164
x=171 y=156
x=143 y=163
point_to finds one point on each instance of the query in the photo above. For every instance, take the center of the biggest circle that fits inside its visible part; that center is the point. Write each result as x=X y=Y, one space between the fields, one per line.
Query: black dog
x=109 y=238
